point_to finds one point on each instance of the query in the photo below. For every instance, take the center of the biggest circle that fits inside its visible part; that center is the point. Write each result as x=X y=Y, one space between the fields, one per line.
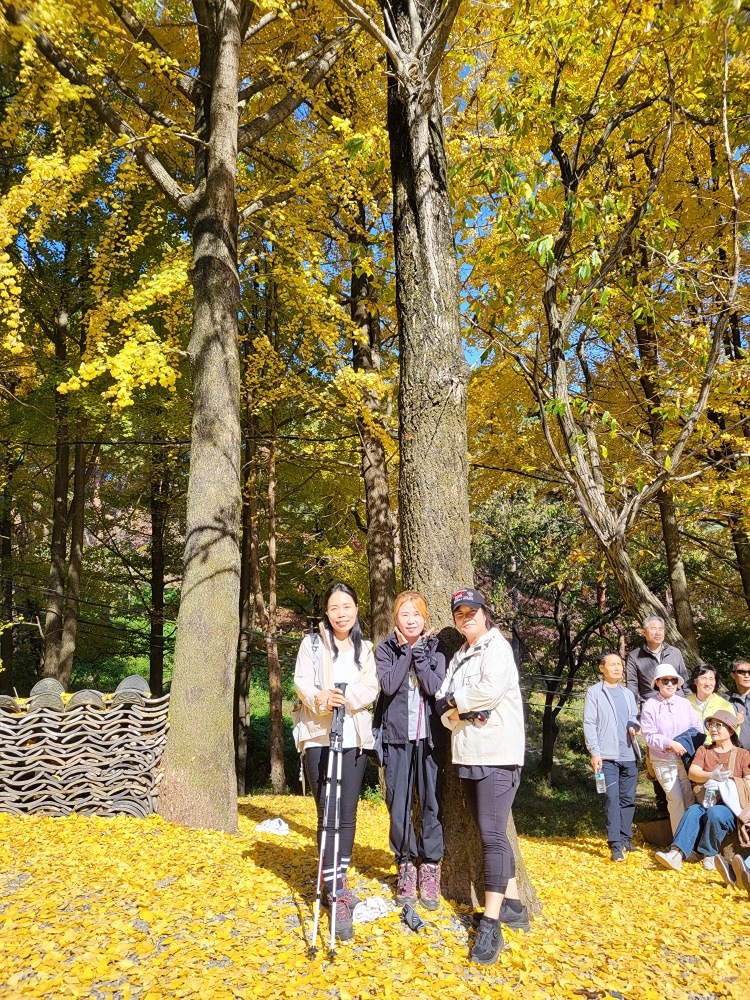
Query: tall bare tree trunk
x=159 y=510
x=433 y=445
x=243 y=670
x=6 y=561
x=53 y=624
x=741 y=543
x=76 y=517
x=276 y=749
x=380 y=540
x=199 y=788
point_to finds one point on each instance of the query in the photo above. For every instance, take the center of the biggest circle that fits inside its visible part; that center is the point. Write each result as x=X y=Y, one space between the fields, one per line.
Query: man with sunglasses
x=740 y=699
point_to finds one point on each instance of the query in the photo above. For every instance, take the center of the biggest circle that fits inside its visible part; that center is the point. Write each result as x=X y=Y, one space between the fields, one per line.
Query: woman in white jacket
x=481 y=705
x=337 y=656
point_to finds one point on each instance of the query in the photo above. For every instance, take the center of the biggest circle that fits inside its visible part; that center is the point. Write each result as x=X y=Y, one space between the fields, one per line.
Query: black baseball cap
x=471 y=598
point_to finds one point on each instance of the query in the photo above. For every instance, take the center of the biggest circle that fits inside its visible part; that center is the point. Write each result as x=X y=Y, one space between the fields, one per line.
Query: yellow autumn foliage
x=105 y=908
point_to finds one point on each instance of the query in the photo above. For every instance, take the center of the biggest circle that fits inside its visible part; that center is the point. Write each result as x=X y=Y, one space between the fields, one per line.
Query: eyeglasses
x=716 y=725
x=667 y=680
x=743 y=673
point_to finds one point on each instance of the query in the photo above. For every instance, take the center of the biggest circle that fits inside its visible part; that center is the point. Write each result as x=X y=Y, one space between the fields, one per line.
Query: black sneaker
x=628 y=846
x=517 y=920
x=488 y=943
x=617 y=853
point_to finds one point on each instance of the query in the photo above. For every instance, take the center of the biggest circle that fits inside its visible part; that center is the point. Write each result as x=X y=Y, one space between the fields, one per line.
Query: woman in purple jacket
x=410 y=670
x=663 y=719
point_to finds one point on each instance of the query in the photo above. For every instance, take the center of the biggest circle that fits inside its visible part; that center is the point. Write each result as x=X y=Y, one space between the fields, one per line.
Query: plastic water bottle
x=601 y=784
x=709 y=795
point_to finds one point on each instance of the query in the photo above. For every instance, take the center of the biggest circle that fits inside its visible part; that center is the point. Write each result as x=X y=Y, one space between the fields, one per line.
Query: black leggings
x=490 y=800
x=353 y=764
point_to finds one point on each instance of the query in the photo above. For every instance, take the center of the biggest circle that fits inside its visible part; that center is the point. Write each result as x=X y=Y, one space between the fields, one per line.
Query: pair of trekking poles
x=333 y=792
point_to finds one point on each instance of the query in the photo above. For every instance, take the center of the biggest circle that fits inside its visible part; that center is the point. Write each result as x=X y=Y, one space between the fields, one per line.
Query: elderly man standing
x=740 y=698
x=644 y=661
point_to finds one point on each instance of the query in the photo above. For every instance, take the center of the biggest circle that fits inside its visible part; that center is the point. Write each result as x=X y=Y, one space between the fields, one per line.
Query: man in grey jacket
x=739 y=698
x=643 y=662
x=609 y=728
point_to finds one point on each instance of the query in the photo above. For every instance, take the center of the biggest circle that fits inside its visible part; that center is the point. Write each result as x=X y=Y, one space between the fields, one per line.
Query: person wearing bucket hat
x=663 y=719
x=703 y=829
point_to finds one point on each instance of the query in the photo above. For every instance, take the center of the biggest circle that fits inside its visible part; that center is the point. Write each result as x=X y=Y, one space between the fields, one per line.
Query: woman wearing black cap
x=480 y=702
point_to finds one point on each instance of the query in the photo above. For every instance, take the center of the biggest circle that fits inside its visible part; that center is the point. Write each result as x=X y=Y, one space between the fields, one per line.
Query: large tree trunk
x=380 y=540
x=199 y=788
x=433 y=446
x=433 y=482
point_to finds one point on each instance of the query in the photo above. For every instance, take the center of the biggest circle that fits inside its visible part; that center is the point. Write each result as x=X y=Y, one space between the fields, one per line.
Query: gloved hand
x=719 y=774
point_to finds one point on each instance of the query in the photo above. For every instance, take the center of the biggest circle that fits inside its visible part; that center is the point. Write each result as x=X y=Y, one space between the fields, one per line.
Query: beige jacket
x=484 y=676
x=313 y=672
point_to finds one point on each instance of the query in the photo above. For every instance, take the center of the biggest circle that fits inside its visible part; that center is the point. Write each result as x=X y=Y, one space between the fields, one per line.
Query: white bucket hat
x=666 y=671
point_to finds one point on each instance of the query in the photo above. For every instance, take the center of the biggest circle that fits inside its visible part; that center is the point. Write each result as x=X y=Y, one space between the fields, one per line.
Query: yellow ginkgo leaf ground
x=125 y=908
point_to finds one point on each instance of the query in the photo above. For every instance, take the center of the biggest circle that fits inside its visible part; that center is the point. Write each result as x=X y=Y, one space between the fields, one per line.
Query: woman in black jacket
x=410 y=670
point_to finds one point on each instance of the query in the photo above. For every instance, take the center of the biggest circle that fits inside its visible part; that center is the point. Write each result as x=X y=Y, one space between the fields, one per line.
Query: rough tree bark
x=380 y=542
x=433 y=446
x=199 y=788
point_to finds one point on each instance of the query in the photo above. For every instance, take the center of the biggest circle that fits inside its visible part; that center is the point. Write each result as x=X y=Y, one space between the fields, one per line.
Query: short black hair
x=609 y=652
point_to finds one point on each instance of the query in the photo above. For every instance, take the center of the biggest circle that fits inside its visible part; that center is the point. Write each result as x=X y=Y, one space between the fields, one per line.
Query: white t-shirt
x=345 y=671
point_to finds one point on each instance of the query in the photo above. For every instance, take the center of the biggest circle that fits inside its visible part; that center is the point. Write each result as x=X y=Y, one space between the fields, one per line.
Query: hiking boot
x=724 y=868
x=429 y=885
x=617 y=853
x=670 y=859
x=346 y=893
x=344 y=922
x=406 y=886
x=488 y=943
x=517 y=920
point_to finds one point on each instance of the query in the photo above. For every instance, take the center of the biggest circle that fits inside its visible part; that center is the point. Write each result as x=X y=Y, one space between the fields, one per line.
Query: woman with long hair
x=335 y=669
x=480 y=702
x=410 y=669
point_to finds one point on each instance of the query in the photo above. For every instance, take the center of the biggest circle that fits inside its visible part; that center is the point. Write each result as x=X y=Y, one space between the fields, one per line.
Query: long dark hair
x=355 y=633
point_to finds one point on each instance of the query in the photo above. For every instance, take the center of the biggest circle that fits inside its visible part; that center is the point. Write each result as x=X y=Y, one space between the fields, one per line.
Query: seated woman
x=703 y=829
x=703 y=696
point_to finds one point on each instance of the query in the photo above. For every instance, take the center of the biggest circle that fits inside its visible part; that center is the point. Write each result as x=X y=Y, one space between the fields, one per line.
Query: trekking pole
x=336 y=743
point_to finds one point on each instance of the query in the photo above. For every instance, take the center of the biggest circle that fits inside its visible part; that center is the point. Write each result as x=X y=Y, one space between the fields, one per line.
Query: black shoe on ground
x=628 y=846
x=488 y=943
x=517 y=920
x=617 y=853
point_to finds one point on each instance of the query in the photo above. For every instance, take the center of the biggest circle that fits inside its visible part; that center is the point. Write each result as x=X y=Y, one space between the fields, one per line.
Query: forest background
x=596 y=164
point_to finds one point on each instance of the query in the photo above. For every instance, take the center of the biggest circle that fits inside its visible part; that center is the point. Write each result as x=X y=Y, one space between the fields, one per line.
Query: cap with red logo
x=471 y=598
